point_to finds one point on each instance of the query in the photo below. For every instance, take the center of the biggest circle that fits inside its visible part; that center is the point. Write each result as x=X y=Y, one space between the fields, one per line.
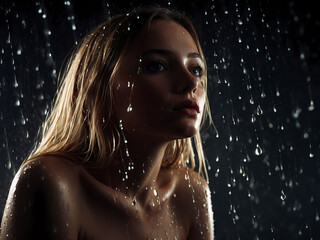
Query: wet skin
x=163 y=69
x=54 y=198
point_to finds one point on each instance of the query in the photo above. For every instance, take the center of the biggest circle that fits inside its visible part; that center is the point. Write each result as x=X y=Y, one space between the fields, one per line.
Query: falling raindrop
x=17 y=103
x=260 y=56
x=258 y=150
x=311 y=106
x=283 y=196
x=259 y=110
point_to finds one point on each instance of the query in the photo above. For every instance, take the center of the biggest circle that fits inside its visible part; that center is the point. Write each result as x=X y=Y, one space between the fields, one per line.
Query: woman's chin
x=186 y=131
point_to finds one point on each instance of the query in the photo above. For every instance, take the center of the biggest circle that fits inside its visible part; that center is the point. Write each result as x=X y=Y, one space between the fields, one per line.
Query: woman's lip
x=188 y=111
x=188 y=106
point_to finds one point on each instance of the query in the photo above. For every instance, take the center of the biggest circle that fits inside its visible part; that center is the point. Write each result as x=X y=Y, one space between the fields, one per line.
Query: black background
x=275 y=67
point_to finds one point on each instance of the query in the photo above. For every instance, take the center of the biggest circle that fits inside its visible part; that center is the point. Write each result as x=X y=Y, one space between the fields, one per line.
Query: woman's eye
x=155 y=67
x=196 y=71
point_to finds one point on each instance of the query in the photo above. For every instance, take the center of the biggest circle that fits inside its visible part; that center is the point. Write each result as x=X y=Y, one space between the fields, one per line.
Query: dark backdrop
x=263 y=60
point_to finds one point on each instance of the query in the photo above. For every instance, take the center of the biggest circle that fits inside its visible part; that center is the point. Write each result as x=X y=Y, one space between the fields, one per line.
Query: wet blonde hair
x=78 y=121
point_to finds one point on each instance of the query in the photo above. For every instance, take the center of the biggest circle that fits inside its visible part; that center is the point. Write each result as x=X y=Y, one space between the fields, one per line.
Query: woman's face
x=158 y=89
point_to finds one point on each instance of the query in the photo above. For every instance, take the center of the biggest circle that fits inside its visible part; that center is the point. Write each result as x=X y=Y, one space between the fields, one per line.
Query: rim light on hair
x=88 y=80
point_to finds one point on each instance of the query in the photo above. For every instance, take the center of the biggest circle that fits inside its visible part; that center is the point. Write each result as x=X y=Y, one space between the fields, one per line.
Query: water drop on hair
x=134 y=201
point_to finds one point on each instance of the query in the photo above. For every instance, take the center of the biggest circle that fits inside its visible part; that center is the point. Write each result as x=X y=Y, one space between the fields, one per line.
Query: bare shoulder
x=38 y=202
x=191 y=183
x=49 y=174
x=195 y=200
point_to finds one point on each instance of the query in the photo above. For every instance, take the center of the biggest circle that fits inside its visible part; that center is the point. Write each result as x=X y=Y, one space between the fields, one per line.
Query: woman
x=116 y=157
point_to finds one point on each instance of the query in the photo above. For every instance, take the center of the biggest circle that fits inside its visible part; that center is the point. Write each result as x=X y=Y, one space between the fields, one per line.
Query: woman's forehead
x=165 y=35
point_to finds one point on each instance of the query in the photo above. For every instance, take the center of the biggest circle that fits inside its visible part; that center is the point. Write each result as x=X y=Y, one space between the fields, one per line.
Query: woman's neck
x=135 y=169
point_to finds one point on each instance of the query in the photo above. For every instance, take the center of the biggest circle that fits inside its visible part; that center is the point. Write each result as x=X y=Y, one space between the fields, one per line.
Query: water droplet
x=296 y=113
x=259 y=110
x=129 y=108
x=258 y=150
x=282 y=196
x=134 y=201
x=17 y=103
x=19 y=51
x=244 y=70
x=155 y=193
x=9 y=165
x=311 y=106
x=274 y=109
x=23 y=120
x=186 y=176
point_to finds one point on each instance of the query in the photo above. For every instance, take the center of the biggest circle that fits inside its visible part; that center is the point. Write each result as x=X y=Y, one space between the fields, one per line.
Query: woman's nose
x=187 y=83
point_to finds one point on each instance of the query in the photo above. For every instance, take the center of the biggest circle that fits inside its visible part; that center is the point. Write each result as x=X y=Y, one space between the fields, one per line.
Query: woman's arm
x=37 y=205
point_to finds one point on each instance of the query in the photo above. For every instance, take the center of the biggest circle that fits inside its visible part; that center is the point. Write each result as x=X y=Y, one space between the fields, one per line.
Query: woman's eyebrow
x=194 y=55
x=168 y=52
